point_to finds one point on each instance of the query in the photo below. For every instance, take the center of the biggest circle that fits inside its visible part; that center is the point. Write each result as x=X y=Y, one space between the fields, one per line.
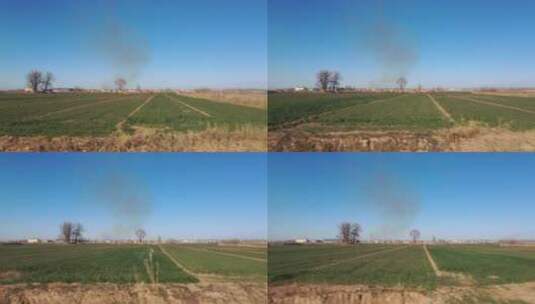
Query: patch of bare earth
x=359 y=294
x=468 y=138
x=248 y=98
x=248 y=138
x=524 y=292
x=476 y=139
x=134 y=294
x=297 y=140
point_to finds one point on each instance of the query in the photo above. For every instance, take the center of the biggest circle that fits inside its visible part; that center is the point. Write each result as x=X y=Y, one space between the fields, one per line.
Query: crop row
x=99 y=114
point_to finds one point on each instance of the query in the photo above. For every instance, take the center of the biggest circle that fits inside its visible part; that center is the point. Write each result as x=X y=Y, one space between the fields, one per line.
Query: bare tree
x=140 y=233
x=344 y=232
x=323 y=78
x=334 y=81
x=66 y=231
x=415 y=235
x=120 y=83
x=34 y=79
x=355 y=233
x=402 y=83
x=47 y=81
x=77 y=231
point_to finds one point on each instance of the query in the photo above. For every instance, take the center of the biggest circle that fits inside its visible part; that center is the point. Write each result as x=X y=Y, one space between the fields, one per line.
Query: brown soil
x=358 y=294
x=468 y=138
x=145 y=139
x=133 y=294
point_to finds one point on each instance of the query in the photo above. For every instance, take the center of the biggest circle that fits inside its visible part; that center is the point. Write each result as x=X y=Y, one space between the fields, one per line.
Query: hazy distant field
x=382 y=111
x=408 y=266
x=128 y=263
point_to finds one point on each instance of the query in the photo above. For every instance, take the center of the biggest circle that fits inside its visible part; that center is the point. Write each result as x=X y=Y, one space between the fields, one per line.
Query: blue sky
x=201 y=43
x=453 y=43
x=450 y=195
x=197 y=195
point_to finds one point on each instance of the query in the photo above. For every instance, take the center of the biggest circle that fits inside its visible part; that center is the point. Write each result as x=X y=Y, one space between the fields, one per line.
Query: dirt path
x=179 y=265
x=119 y=126
x=76 y=108
x=489 y=103
x=358 y=257
x=441 y=109
x=191 y=107
x=432 y=262
x=229 y=254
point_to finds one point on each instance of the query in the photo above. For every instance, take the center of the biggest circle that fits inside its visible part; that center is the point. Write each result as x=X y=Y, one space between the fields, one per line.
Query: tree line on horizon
x=349 y=233
x=72 y=233
x=41 y=82
x=329 y=81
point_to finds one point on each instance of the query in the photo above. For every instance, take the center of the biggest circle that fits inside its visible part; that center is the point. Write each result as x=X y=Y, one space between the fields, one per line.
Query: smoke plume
x=127 y=52
x=394 y=203
x=127 y=200
x=393 y=49
x=121 y=45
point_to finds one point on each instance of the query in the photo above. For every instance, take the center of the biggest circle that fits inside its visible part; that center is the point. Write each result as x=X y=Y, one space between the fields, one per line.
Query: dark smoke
x=394 y=52
x=395 y=204
x=127 y=52
x=127 y=200
x=122 y=46
x=393 y=49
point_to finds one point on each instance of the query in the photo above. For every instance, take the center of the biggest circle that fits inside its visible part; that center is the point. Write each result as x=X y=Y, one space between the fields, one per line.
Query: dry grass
x=469 y=137
x=529 y=93
x=214 y=139
x=357 y=294
x=249 y=98
x=106 y=293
